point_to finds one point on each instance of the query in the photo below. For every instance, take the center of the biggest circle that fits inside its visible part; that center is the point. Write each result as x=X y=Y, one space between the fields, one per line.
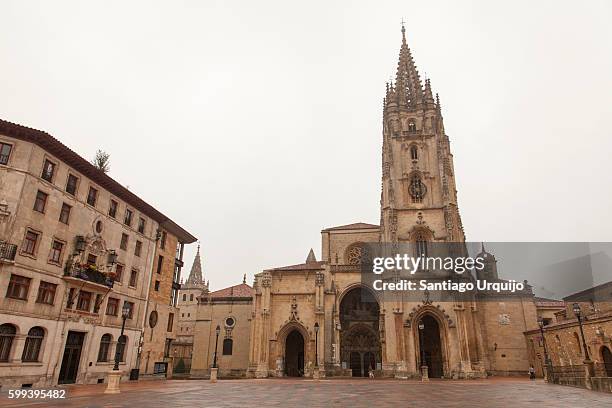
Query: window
x=55 y=255
x=411 y=126
x=421 y=245
x=71 y=184
x=112 y=209
x=127 y=220
x=70 y=300
x=118 y=273
x=105 y=343
x=153 y=319
x=170 y=322
x=18 y=287
x=191 y=297
x=48 y=171
x=184 y=297
x=5 y=152
x=46 y=293
x=7 y=334
x=130 y=307
x=138 y=248
x=228 y=345
x=417 y=189
x=121 y=348
x=157 y=286
x=92 y=196
x=133 y=278
x=160 y=264
x=33 y=343
x=92 y=260
x=97 y=303
x=112 y=306
x=29 y=243
x=65 y=213
x=124 y=241
x=414 y=152
x=162 y=243
x=40 y=202
x=84 y=301
x=141 y=225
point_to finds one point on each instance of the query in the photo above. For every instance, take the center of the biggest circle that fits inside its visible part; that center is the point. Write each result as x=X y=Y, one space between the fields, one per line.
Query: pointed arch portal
x=294 y=354
x=359 y=337
x=431 y=346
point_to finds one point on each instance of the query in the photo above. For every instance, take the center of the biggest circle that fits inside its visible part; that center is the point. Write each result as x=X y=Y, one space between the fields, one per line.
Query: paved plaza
x=498 y=392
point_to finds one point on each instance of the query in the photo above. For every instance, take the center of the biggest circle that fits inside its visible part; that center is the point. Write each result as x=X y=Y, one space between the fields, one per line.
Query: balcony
x=7 y=251
x=88 y=273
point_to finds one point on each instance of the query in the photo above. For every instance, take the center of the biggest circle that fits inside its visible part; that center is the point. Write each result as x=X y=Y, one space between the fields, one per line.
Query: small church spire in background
x=244 y=278
x=311 y=257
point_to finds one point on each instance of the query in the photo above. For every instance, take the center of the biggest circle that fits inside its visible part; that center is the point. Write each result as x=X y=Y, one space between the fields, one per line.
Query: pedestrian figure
x=531 y=373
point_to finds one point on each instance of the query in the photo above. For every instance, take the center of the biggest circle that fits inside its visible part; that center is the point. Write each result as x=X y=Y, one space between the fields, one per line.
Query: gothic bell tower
x=418 y=198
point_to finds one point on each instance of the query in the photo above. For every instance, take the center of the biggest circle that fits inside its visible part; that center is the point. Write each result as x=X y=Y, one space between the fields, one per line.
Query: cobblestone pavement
x=495 y=392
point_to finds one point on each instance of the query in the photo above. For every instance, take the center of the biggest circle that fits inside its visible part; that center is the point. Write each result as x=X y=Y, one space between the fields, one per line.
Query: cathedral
x=318 y=319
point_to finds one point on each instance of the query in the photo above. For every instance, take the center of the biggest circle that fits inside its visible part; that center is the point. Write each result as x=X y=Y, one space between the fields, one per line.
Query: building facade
x=76 y=247
x=319 y=314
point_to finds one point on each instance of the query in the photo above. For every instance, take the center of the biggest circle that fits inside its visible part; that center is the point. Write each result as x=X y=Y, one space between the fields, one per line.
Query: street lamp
x=114 y=376
x=424 y=368
x=125 y=312
x=316 y=329
x=217 y=331
x=547 y=362
x=421 y=328
x=578 y=314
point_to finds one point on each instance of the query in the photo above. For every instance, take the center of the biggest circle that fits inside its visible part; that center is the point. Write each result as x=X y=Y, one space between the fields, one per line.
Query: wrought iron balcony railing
x=89 y=274
x=7 y=251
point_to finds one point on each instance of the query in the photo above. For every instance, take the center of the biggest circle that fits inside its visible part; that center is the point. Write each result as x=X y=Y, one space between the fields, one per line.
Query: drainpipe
x=146 y=309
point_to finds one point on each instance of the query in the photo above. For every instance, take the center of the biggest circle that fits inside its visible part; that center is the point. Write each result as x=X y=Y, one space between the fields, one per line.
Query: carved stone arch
x=287 y=328
x=421 y=232
x=444 y=324
x=356 y=285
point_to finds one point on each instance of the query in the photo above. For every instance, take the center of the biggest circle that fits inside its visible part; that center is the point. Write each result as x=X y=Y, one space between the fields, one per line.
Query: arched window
x=414 y=153
x=417 y=188
x=411 y=126
x=184 y=297
x=191 y=297
x=121 y=347
x=33 y=343
x=421 y=245
x=105 y=343
x=7 y=334
x=228 y=345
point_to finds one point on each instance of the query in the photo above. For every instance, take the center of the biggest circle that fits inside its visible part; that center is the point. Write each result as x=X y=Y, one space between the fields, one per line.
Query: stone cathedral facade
x=318 y=314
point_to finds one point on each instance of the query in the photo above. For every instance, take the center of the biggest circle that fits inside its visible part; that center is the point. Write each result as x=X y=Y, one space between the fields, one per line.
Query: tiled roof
x=549 y=302
x=238 y=291
x=63 y=152
x=310 y=266
x=357 y=225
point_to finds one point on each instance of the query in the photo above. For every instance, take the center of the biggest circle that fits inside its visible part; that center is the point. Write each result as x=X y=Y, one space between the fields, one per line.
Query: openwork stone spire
x=408 y=86
x=195 y=276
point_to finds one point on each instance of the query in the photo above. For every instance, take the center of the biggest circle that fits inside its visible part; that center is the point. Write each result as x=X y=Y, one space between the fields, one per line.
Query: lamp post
x=315 y=373
x=316 y=329
x=114 y=376
x=424 y=368
x=215 y=369
x=546 y=367
x=578 y=314
x=588 y=364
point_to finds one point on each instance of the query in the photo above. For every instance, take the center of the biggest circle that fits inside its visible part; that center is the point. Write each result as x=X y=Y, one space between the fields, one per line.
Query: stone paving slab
x=353 y=393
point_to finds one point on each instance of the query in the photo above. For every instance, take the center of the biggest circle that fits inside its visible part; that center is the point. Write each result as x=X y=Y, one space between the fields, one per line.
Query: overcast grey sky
x=255 y=124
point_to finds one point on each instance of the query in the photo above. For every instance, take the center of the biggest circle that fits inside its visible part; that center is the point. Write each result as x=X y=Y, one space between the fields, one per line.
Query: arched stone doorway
x=294 y=354
x=430 y=346
x=606 y=358
x=359 y=336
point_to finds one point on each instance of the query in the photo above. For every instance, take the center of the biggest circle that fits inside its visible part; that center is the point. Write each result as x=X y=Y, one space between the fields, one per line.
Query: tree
x=102 y=161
